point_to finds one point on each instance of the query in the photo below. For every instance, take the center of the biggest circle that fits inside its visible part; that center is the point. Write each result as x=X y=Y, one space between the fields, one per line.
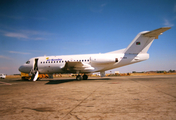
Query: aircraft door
x=36 y=64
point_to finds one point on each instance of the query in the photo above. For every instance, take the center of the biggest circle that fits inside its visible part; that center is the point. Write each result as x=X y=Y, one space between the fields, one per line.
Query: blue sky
x=31 y=28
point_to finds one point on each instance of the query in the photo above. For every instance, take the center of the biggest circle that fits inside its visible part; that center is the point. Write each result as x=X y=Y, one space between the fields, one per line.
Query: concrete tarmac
x=109 y=98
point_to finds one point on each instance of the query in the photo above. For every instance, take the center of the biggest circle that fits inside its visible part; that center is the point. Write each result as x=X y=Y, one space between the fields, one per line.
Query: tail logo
x=138 y=43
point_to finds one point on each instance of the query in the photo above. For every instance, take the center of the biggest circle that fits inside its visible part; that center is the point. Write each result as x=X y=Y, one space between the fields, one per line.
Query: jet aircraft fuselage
x=83 y=63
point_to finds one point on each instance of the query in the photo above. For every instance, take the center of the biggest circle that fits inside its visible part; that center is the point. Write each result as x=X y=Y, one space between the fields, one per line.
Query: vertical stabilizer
x=143 y=41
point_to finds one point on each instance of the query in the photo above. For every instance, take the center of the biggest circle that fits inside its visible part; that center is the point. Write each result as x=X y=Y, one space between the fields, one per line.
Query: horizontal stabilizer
x=156 y=33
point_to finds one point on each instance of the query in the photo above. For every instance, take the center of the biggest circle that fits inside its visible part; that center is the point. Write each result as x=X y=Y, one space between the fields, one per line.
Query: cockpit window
x=28 y=62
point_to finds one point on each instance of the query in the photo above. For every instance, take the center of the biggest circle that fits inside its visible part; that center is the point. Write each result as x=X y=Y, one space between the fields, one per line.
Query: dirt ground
x=109 y=98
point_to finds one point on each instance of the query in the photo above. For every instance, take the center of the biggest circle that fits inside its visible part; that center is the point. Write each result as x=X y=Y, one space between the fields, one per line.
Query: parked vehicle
x=25 y=76
x=2 y=76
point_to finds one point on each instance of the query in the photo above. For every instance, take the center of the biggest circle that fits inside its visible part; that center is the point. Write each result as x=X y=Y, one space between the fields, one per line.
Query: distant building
x=117 y=72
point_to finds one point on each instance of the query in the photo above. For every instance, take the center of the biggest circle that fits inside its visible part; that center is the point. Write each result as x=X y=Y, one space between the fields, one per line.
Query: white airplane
x=90 y=63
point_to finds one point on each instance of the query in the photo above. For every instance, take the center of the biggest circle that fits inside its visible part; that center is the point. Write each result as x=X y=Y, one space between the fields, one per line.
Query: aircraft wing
x=76 y=66
x=156 y=33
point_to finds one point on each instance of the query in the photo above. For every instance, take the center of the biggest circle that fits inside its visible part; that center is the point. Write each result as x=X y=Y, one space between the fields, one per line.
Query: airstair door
x=36 y=64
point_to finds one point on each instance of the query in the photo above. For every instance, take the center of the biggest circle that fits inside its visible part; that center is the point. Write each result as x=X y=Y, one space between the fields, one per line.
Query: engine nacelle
x=100 y=60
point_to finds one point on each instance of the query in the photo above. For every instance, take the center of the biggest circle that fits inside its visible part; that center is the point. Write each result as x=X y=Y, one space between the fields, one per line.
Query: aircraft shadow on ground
x=49 y=81
x=100 y=79
x=59 y=81
x=71 y=80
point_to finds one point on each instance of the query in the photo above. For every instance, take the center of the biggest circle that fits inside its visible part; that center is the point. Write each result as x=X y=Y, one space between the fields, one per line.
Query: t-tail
x=143 y=41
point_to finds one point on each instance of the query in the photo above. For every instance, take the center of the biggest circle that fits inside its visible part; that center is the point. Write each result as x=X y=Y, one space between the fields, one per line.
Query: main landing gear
x=84 y=77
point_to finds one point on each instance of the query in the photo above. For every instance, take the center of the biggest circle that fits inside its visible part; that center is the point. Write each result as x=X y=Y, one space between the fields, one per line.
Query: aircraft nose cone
x=21 y=68
x=25 y=69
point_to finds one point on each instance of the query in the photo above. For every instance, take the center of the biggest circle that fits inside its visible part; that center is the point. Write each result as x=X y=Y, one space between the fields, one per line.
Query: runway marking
x=5 y=83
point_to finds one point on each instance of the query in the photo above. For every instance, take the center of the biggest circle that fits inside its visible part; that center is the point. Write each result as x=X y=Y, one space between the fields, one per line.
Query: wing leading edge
x=77 y=66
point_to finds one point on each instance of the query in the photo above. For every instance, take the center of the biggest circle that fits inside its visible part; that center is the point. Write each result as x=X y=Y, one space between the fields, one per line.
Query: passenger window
x=41 y=62
x=116 y=59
